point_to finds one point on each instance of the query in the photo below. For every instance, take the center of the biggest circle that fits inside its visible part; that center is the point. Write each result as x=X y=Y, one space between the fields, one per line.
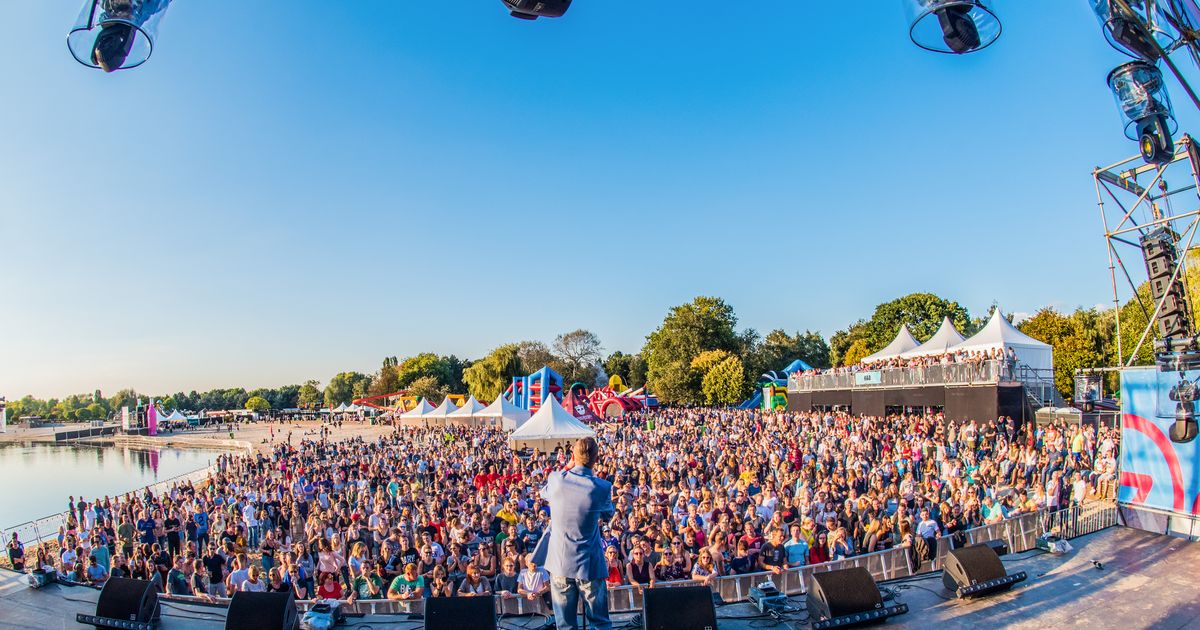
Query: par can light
x=952 y=26
x=1131 y=28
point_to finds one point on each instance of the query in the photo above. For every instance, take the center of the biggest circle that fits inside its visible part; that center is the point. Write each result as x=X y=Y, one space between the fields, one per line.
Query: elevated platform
x=958 y=402
x=1146 y=581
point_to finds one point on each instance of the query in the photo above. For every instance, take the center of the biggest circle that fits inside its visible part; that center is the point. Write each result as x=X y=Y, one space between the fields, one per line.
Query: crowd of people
x=1007 y=359
x=453 y=511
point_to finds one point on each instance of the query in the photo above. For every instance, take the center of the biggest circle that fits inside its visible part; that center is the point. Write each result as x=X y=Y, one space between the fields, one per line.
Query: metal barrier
x=977 y=373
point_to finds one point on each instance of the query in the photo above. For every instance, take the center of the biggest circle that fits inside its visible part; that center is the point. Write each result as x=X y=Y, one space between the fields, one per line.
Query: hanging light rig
x=952 y=26
x=116 y=34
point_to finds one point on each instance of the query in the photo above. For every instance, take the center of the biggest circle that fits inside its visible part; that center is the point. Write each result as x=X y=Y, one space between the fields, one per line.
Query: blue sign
x=1155 y=472
x=868 y=378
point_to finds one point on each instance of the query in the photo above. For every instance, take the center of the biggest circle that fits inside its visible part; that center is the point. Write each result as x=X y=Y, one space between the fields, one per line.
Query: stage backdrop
x=1155 y=472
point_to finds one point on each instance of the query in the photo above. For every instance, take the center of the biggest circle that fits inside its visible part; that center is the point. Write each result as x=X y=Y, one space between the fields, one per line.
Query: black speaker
x=976 y=570
x=846 y=597
x=262 y=611
x=460 y=613
x=678 y=608
x=125 y=600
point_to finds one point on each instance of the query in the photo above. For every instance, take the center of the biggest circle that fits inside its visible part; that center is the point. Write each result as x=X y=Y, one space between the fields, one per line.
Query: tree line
x=697 y=355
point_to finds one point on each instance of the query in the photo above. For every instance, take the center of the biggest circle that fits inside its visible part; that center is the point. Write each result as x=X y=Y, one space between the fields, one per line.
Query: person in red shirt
x=330 y=588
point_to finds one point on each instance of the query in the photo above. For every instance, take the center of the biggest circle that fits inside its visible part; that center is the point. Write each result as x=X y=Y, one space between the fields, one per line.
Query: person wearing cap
x=573 y=548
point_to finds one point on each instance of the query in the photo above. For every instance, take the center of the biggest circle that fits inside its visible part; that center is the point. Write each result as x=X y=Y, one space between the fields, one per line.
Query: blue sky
x=281 y=195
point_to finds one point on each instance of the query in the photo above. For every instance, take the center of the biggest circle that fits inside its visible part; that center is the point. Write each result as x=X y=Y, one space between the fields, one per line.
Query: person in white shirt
x=252 y=583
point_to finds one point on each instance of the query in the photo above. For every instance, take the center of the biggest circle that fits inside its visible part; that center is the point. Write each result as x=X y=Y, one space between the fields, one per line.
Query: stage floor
x=1147 y=581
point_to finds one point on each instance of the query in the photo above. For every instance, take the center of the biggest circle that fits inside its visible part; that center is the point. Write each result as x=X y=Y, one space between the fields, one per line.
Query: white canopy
x=174 y=417
x=903 y=342
x=550 y=427
x=439 y=414
x=414 y=416
x=946 y=337
x=506 y=413
x=467 y=412
x=353 y=408
x=340 y=408
x=1000 y=333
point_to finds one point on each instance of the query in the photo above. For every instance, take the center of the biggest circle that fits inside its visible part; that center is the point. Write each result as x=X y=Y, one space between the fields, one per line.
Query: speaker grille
x=262 y=611
x=679 y=608
x=843 y=592
x=128 y=600
x=460 y=613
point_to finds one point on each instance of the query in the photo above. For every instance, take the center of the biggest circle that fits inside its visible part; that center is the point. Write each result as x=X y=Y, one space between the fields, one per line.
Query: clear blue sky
x=281 y=195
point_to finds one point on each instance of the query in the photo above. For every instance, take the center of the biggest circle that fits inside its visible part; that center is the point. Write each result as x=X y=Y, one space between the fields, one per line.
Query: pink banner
x=152 y=419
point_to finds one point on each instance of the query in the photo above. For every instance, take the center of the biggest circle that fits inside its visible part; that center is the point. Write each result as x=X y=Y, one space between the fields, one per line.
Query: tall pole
x=3 y=416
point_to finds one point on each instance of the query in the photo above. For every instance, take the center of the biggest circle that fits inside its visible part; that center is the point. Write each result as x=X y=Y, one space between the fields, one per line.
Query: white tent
x=999 y=333
x=466 y=413
x=946 y=337
x=415 y=416
x=353 y=408
x=174 y=417
x=550 y=427
x=340 y=408
x=903 y=342
x=506 y=413
x=439 y=414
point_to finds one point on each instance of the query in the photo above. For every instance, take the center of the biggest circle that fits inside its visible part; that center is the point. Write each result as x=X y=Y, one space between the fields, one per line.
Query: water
x=39 y=478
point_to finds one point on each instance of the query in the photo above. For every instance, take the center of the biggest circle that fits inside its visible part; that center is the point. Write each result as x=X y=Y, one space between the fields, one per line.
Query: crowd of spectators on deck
x=452 y=511
x=1007 y=358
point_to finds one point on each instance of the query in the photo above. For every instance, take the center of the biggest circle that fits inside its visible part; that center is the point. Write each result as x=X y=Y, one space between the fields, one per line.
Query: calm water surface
x=38 y=478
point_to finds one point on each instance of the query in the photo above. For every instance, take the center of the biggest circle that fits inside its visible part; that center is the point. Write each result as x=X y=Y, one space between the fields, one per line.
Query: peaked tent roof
x=903 y=342
x=469 y=409
x=946 y=337
x=507 y=412
x=421 y=409
x=1000 y=333
x=340 y=408
x=447 y=407
x=551 y=426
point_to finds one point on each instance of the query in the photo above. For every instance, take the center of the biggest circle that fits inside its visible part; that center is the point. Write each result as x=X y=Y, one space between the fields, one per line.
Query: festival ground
x=1115 y=578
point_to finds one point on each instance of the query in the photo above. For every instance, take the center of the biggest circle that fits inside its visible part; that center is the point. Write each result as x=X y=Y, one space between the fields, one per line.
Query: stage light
x=116 y=34
x=952 y=26
x=534 y=9
x=1129 y=28
x=1185 y=428
x=1145 y=107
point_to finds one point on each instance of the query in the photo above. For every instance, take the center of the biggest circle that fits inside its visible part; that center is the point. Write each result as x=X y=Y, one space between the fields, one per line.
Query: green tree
x=124 y=397
x=429 y=388
x=630 y=367
x=840 y=342
x=424 y=364
x=258 y=404
x=310 y=396
x=576 y=354
x=488 y=377
x=856 y=352
x=1080 y=341
x=778 y=349
x=705 y=323
x=342 y=386
x=725 y=382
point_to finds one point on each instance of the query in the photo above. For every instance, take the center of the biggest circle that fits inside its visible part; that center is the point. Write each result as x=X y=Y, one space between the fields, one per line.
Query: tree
x=778 y=349
x=534 y=355
x=425 y=364
x=429 y=388
x=310 y=396
x=630 y=367
x=341 y=388
x=488 y=377
x=923 y=312
x=1079 y=341
x=123 y=398
x=705 y=323
x=258 y=404
x=576 y=354
x=725 y=382
x=856 y=352
x=840 y=342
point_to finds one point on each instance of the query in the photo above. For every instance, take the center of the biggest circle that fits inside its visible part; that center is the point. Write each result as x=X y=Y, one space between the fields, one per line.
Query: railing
x=1019 y=534
x=984 y=372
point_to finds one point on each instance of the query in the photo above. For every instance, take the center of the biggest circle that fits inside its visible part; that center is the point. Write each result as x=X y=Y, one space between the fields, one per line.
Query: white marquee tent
x=946 y=337
x=903 y=342
x=439 y=414
x=340 y=408
x=552 y=426
x=415 y=416
x=466 y=413
x=1000 y=333
x=506 y=413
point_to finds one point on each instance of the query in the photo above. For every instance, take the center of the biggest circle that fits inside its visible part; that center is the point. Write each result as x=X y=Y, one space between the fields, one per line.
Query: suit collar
x=582 y=470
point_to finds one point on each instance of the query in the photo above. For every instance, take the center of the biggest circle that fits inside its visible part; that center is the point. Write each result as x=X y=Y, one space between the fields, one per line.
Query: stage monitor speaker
x=262 y=611
x=976 y=570
x=460 y=613
x=125 y=603
x=846 y=597
x=678 y=608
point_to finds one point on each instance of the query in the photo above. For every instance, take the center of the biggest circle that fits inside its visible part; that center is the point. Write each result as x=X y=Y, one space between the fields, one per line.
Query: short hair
x=586 y=452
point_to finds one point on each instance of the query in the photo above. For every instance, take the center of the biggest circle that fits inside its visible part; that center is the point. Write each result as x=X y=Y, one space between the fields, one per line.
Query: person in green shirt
x=369 y=585
x=125 y=532
x=408 y=585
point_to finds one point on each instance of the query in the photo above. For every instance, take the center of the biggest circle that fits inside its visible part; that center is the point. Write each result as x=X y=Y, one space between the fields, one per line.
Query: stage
x=1147 y=581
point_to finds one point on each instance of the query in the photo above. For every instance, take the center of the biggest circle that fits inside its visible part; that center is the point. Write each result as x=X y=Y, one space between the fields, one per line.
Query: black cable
x=904 y=586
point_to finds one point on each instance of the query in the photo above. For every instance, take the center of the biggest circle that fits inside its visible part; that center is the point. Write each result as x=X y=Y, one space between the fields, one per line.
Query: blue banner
x=1155 y=472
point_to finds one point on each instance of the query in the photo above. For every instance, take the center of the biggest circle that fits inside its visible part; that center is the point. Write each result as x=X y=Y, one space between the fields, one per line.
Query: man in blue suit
x=574 y=551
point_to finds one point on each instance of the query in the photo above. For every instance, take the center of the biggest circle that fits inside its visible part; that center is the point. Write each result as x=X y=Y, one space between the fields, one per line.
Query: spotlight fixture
x=534 y=9
x=1185 y=428
x=952 y=26
x=1145 y=107
x=115 y=34
x=1131 y=28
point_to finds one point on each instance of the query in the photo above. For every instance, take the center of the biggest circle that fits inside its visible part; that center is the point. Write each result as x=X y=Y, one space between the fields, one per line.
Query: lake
x=42 y=476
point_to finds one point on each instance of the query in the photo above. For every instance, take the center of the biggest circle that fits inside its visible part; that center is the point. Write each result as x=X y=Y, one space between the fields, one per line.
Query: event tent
x=552 y=426
x=466 y=413
x=415 y=416
x=505 y=412
x=1000 y=333
x=903 y=342
x=340 y=408
x=353 y=408
x=174 y=417
x=946 y=337
x=439 y=414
